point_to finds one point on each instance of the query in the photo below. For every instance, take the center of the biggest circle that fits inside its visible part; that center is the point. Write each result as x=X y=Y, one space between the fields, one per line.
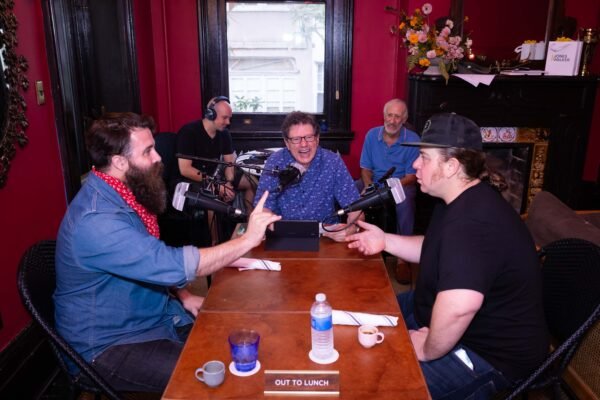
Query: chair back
x=165 y=144
x=571 y=295
x=36 y=282
x=571 y=285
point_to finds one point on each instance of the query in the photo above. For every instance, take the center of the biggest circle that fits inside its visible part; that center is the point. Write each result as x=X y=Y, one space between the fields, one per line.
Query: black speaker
x=210 y=113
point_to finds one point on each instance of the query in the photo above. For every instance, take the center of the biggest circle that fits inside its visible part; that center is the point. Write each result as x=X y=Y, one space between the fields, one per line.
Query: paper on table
x=357 y=318
x=476 y=79
x=244 y=264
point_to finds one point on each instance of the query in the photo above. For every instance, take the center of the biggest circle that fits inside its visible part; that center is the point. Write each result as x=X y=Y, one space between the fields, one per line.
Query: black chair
x=571 y=293
x=178 y=228
x=37 y=281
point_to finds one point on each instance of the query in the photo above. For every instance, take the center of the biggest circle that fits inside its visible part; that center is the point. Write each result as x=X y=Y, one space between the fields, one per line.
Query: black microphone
x=204 y=200
x=290 y=175
x=393 y=188
x=387 y=175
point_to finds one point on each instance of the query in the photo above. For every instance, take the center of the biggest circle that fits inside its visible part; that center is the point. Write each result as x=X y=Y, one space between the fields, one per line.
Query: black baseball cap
x=449 y=130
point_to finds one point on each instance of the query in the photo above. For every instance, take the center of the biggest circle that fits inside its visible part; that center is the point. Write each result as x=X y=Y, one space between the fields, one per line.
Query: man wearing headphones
x=209 y=138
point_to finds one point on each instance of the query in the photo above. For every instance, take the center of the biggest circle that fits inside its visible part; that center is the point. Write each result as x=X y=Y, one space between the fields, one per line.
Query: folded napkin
x=357 y=318
x=244 y=264
x=476 y=79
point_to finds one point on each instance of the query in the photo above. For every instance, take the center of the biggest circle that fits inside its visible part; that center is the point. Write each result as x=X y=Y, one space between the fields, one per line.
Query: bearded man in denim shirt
x=113 y=274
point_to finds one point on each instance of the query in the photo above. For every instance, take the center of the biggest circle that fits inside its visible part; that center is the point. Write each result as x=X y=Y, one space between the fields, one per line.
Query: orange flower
x=414 y=21
x=423 y=62
x=401 y=26
x=413 y=38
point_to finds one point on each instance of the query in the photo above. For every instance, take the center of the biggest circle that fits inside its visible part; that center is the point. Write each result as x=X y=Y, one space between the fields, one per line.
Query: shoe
x=403 y=273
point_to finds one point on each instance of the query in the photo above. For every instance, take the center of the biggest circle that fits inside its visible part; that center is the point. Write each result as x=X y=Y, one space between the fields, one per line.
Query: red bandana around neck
x=150 y=220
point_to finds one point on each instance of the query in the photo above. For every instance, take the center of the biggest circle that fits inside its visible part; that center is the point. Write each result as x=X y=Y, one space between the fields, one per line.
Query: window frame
x=257 y=130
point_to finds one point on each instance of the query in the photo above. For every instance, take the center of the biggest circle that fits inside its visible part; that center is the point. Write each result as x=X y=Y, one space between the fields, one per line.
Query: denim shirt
x=112 y=276
x=325 y=185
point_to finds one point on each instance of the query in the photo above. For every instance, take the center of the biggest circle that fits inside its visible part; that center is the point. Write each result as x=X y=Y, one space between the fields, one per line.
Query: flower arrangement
x=426 y=44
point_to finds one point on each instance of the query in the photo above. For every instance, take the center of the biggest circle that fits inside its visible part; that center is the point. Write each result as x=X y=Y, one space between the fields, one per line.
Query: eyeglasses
x=298 y=139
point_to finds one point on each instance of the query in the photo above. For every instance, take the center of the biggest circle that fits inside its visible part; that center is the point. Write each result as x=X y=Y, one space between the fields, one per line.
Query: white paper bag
x=563 y=58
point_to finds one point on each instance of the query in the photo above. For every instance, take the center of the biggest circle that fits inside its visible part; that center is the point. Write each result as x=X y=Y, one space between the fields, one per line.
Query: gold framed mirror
x=13 y=122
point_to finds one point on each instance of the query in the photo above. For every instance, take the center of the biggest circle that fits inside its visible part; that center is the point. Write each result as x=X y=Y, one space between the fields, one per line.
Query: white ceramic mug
x=212 y=373
x=526 y=50
x=369 y=336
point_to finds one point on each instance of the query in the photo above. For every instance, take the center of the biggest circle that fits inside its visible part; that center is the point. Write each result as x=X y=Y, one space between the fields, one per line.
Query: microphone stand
x=275 y=171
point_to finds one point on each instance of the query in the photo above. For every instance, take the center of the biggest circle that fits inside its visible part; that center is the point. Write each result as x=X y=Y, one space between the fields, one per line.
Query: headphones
x=210 y=113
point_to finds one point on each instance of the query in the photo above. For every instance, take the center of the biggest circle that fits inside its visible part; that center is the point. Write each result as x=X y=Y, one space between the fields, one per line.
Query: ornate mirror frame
x=12 y=104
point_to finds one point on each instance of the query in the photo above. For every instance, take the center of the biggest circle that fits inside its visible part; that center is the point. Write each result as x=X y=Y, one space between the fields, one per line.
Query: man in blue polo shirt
x=383 y=150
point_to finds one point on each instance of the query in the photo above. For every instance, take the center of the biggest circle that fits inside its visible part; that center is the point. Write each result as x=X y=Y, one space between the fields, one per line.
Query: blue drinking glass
x=244 y=349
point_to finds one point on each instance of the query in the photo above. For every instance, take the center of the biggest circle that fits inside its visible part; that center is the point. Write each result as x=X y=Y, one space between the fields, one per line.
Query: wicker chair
x=36 y=282
x=571 y=294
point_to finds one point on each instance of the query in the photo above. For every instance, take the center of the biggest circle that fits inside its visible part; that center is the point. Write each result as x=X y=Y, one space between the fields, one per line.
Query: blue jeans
x=448 y=377
x=141 y=367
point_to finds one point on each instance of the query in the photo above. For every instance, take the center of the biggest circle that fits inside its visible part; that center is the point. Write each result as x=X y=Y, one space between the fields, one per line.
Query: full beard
x=148 y=187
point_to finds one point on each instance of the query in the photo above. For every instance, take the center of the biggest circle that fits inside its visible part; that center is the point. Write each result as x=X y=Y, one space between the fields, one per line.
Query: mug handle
x=200 y=377
x=519 y=48
x=380 y=337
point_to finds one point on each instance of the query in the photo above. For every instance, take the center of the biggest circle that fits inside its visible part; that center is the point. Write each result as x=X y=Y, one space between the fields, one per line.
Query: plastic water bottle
x=321 y=327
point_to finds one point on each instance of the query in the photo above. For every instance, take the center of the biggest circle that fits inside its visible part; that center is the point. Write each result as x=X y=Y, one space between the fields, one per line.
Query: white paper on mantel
x=357 y=318
x=476 y=79
x=244 y=264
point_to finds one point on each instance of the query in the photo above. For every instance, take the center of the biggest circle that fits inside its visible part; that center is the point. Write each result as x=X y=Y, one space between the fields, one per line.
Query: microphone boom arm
x=228 y=164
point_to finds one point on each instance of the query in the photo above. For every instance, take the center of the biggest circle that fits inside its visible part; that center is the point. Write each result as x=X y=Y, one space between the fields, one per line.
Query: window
x=272 y=69
x=273 y=57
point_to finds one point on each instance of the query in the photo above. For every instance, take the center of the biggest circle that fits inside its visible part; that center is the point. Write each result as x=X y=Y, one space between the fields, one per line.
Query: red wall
x=168 y=52
x=33 y=200
x=587 y=13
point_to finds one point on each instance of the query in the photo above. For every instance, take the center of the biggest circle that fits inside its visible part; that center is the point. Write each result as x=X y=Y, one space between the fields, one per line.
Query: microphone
x=393 y=188
x=387 y=175
x=290 y=175
x=204 y=200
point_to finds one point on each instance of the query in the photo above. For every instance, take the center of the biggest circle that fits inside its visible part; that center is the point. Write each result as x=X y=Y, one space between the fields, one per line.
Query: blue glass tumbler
x=244 y=349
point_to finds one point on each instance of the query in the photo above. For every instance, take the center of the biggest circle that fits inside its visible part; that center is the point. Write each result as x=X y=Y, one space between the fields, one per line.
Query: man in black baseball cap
x=475 y=317
x=449 y=130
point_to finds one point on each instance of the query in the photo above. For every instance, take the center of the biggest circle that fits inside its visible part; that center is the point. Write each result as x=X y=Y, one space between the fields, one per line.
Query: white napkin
x=357 y=318
x=244 y=264
x=476 y=79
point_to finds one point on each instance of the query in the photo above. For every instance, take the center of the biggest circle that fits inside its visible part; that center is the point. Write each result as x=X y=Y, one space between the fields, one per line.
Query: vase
x=434 y=67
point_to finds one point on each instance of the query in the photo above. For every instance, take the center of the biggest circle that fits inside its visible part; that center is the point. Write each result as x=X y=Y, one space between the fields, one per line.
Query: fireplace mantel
x=561 y=105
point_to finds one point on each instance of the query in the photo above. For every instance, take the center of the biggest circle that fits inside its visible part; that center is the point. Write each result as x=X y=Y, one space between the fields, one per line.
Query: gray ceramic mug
x=212 y=373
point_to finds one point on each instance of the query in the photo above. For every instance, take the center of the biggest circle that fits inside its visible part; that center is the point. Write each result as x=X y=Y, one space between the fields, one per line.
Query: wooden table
x=328 y=250
x=352 y=285
x=277 y=305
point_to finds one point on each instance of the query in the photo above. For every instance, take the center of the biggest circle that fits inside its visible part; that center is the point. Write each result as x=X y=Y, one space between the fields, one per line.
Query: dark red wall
x=587 y=13
x=33 y=200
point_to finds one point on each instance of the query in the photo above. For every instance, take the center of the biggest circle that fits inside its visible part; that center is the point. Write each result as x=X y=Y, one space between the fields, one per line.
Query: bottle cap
x=320 y=297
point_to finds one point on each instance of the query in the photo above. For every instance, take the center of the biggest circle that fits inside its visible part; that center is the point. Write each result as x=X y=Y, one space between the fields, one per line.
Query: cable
x=344 y=227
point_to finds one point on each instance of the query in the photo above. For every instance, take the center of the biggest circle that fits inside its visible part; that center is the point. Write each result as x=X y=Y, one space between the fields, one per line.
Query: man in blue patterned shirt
x=324 y=186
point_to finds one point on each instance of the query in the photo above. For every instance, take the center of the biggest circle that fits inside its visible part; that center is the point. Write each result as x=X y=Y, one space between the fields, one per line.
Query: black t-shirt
x=479 y=242
x=193 y=140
